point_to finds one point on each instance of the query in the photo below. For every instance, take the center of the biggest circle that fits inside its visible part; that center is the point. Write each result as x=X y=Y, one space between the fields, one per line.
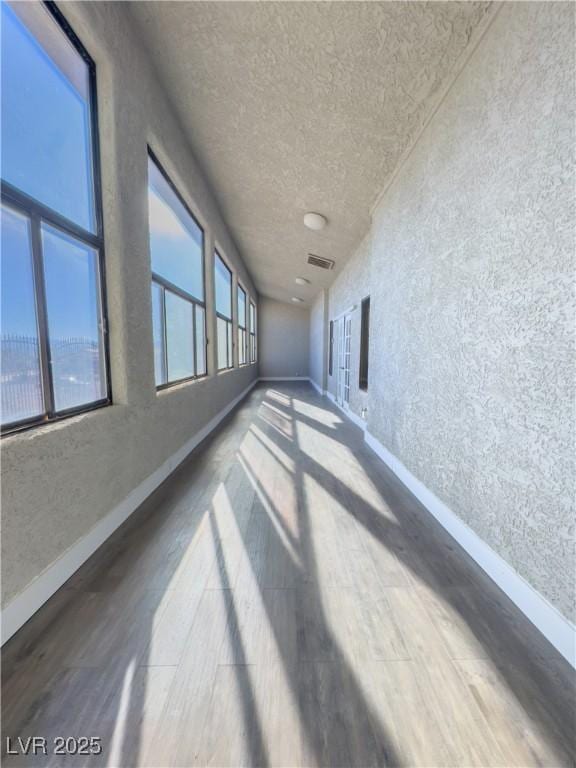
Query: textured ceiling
x=302 y=106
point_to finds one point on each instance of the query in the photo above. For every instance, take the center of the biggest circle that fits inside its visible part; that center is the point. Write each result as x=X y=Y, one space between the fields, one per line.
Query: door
x=342 y=328
x=347 y=335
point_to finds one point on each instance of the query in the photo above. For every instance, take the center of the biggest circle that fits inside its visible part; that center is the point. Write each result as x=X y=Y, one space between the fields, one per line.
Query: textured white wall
x=471 y=277
x=59 y=481
x=284 y=342
x=318 y=339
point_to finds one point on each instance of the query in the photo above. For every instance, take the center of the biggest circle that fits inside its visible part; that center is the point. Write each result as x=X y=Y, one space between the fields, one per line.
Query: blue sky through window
x=18 y=304
x=241 y=307
x=70 y=269
x=176 y=240
x=223 y=287
x=47 y=156
x=46 y=143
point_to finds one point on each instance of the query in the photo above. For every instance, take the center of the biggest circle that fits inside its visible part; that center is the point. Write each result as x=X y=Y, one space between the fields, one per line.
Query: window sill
x=180 y=384
x=40 y=428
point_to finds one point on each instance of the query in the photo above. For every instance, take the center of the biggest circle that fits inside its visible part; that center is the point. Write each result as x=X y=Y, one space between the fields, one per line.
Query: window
x=223 y=290
x=178 y=309
x=364 y=343
x=53 y=343
x=252 y=332
x=331 y=348
x=242 y=334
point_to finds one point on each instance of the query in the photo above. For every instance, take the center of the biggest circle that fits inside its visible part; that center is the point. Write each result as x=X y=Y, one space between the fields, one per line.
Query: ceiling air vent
x=320 y=261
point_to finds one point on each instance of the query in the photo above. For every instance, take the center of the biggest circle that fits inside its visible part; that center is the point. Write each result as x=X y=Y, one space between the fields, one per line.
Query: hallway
x=282 y=600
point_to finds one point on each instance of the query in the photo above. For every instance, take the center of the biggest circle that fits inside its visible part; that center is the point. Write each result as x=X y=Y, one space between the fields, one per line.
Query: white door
x=347 y=335
x=342 y=329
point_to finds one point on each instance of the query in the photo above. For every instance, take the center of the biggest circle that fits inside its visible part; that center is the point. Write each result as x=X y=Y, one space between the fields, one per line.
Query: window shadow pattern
x=248 y=614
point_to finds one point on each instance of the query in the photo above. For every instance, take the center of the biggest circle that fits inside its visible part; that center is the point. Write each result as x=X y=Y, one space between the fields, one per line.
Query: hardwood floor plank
x=276 y=692
x=476 y=624
x=383 y=544
x=380 y=631
x=171 y=626
x=420 y=637
x=336 y=723
x=253 y=718
x=232 y=734
x=256 y=540
x=177 y=737
x=262 y=628
x=282 y=600
x=523 y=738
x=326 y=624
x=364 y=577
x=407 y=718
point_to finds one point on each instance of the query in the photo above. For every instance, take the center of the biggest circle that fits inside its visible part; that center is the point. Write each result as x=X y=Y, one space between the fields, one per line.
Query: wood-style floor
x=283 y=601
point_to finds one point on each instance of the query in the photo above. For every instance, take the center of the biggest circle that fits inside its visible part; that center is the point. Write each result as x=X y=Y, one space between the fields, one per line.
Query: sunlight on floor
x=282 y=426
x=287 y=604
x=278 y=411
x=287 y=463
x=322 y=415
x=122 y=719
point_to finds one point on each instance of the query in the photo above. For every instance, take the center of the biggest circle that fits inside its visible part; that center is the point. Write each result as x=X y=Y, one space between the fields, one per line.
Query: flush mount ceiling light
x=302 y=281
x=297 y=299
x=315 y=221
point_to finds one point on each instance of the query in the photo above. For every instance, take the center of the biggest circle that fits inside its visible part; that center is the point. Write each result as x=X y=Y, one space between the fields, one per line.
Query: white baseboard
x=25 y=604
x=317 y=387
x=551 y=623
x=354 y=418
x=283 y=378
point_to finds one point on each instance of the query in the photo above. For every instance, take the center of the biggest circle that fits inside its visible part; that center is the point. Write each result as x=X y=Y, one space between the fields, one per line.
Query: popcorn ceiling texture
x=304 y=106
x=472 y=282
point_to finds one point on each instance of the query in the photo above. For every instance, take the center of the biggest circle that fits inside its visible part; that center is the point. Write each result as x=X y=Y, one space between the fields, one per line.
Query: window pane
x=20 y=359
x=230 y=358
x=241 y=308
x=364 y=343
x=179 y=337
x=158 y=330
x=200 y=342
x=252 y=318
x=331 y=348
x=175 y=238
x=241 y=347
x=72 y=300
x=46 y=139
x=221 y=332
x=223 y=287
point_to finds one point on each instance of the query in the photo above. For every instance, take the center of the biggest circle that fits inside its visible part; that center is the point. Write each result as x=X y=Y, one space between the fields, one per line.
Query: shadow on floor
x=86 y=664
